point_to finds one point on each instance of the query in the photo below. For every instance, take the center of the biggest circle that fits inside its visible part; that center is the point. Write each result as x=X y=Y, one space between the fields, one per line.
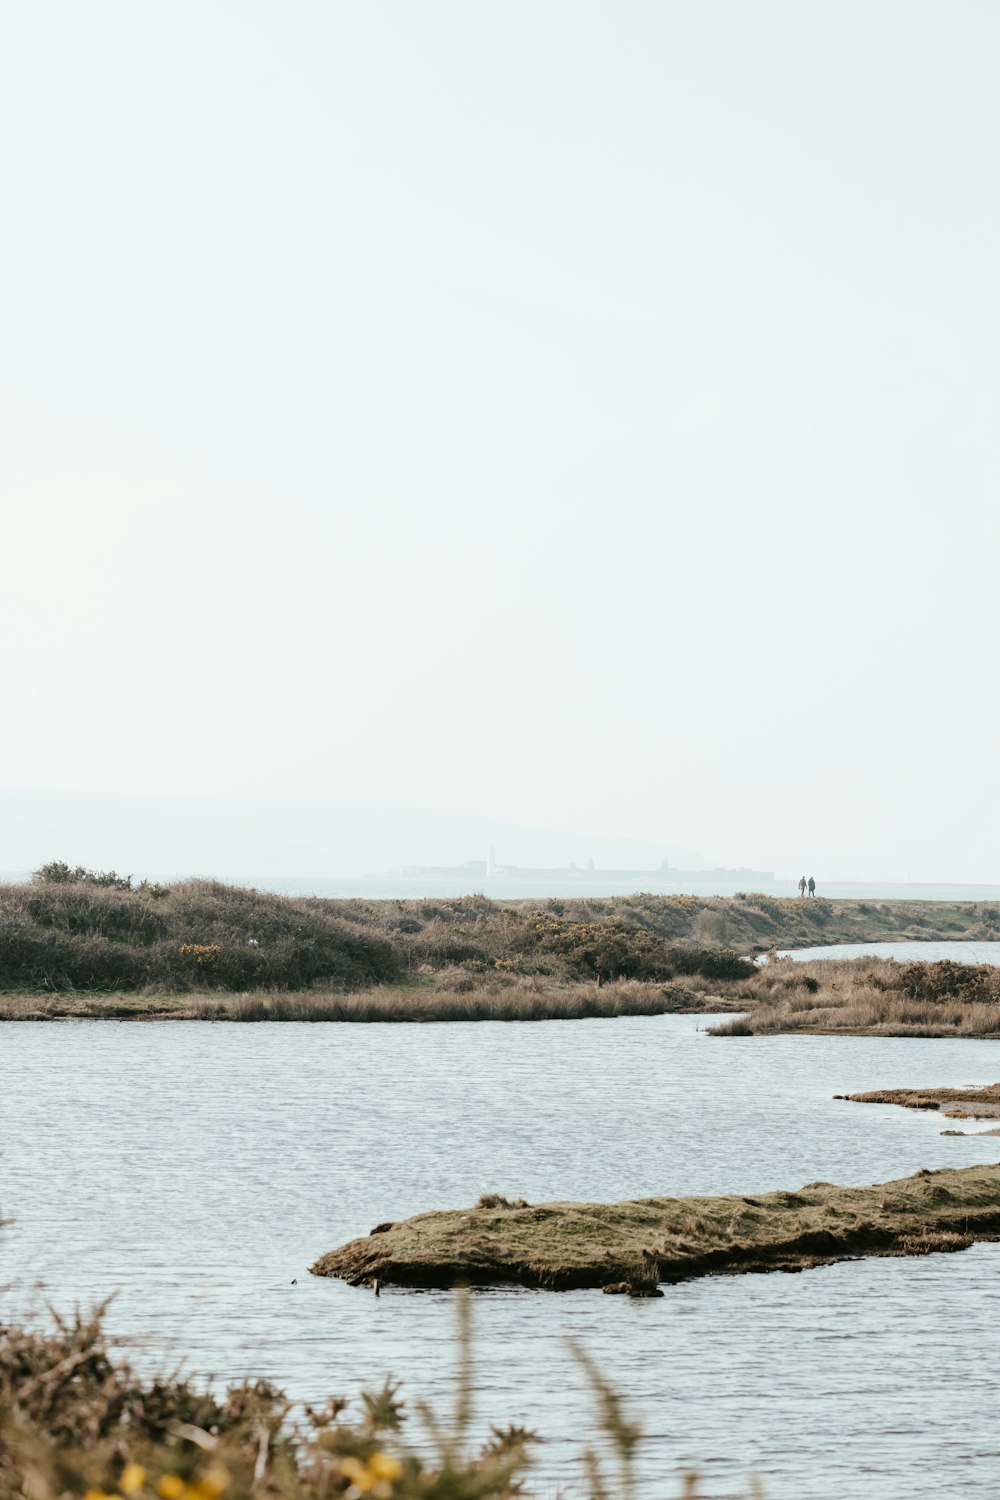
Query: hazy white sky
x=582 y=414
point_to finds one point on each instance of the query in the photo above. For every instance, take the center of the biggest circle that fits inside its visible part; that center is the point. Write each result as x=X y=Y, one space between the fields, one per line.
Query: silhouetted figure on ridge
x=802 y=886
x=812 y=886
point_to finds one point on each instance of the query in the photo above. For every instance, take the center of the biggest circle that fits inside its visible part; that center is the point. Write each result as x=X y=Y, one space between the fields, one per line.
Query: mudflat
x=635 y=1245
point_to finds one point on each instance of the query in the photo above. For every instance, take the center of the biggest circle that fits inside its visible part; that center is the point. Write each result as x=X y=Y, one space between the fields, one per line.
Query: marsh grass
x=871 y=996
x=526 y=1001
x=433 y=998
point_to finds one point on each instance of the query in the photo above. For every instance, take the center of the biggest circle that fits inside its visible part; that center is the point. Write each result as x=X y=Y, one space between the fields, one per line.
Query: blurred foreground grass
x=78 y=1423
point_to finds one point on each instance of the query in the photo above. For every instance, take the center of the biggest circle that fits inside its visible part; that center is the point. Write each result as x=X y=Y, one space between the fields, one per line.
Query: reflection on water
x=199 y=1169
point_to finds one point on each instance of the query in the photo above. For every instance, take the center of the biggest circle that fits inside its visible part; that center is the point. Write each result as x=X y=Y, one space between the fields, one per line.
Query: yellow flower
x=95 y=1495
x=133 y=1478
x=170 y=1486
x=215 y=1478
x=356 y=1472
x=211 y=1484
x=384 y=1467
x=377 y=1474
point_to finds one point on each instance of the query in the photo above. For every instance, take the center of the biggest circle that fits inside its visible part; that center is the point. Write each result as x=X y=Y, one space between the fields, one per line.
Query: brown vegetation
x=651 y=1240
x=69 y=934
x=72 y=931
x=443 y=997
x=867 y=996
x=82 y=943
x=981 y=1103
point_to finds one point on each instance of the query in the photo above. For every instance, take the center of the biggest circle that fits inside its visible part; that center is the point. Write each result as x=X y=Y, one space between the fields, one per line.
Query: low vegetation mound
x=955 y=1104
x=867 y=996
x=79 y=930
x=73 y=930
x=634 y=1245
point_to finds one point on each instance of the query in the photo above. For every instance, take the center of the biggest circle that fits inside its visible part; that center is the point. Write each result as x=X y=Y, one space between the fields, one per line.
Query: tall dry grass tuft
x=490 y=998
x=875 y=996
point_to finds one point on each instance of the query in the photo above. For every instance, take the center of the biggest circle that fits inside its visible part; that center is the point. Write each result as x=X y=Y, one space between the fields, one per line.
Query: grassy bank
x=867 y=997
x=449 y=996
x=635 y=1245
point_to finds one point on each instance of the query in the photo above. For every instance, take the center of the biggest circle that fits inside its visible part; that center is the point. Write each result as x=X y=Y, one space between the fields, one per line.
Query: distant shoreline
x=78 y=944
x=542 y=885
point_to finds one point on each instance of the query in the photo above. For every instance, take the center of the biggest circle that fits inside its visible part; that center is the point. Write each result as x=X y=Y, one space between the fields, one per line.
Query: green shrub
x=943 y=980
x=710 y=963
x=609 y=949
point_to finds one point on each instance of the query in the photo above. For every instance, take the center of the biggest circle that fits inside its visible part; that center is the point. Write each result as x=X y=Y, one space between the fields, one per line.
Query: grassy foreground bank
x=634 y=1245
x=77 y=1422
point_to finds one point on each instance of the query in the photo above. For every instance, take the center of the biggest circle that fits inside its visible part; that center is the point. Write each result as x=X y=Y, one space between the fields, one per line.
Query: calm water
x=962 y=953
x=198 y=1169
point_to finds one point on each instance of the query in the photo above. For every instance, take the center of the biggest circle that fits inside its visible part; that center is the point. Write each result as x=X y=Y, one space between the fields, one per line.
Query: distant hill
x=242 y=840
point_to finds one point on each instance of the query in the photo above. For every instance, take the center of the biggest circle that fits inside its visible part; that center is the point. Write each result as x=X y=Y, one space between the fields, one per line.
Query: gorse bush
x=609 y=949
x=78 y=1423
x=944 y=980
x=618 y=949
x=709 y=963
x=74 y=1421
x=57 y=872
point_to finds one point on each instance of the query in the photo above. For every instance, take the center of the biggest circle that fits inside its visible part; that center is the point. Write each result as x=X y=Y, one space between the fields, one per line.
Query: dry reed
x=871 y=996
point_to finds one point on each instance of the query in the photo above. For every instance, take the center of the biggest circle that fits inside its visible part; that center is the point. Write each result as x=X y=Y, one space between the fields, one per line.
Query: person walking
x=812 y=886
x=802 y=886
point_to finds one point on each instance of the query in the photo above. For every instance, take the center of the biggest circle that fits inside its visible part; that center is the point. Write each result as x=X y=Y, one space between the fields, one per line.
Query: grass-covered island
x=974 y=1103
x=82 y=943
x=979 y=1102
x=635 y=1245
